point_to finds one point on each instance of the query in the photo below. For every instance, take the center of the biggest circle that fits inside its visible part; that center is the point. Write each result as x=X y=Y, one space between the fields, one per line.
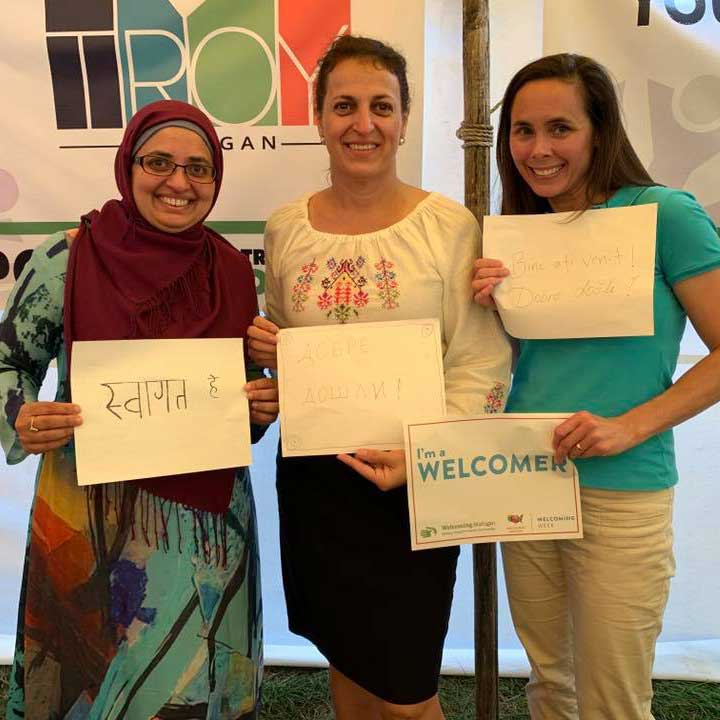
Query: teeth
x=357 y=146
x=546 y=172
x=175 y=202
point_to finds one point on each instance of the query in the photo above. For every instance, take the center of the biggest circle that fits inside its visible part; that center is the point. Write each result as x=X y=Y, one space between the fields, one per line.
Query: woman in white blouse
x=372 y=248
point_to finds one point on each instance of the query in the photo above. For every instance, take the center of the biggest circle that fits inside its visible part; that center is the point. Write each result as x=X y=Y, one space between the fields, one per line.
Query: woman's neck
x=359 y=206
x=365 y=194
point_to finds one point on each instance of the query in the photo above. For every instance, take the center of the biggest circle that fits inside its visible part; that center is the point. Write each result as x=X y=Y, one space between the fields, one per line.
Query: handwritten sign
x=350 y=386
x=591 y=276
x=489 y=478
x=159 y=407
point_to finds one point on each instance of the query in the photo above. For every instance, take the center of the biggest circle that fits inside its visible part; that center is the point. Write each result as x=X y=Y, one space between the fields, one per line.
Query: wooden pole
x=476 y=76
x=476 y=83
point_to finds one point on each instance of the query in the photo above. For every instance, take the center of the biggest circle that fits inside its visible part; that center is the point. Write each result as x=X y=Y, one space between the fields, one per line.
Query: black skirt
x=377 y=611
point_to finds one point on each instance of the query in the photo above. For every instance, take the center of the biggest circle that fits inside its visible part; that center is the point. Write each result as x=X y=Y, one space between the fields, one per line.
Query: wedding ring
x=32 y=424
x=578 y=447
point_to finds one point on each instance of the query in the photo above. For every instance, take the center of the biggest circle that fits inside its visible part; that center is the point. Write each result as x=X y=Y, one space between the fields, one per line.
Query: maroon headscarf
x=129 y=279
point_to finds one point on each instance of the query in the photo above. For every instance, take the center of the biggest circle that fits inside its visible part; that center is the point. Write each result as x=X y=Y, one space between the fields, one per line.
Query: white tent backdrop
x=690 y=643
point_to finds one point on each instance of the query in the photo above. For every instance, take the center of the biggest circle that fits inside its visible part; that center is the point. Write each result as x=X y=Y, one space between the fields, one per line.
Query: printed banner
x=344 y=387
x=570 y=277
x=665 y=55
x=73 y=72
x=159 y=407
x=489 y=478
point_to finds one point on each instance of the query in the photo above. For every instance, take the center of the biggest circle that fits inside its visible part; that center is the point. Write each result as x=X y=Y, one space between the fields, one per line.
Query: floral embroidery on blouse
x=301 y=288
x=387 y=284
x=495 y=399
x=343 y=291
x=345 y=288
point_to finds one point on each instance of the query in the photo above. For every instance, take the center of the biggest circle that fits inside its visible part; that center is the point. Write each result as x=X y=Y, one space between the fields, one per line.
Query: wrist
x=639 y=425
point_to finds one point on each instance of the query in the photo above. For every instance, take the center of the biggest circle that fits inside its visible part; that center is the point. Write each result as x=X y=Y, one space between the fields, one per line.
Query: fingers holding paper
x=262 y=342
x=585 y=435
x=263 y=397
x=487 y=273
x=43 y=426
x=384 y=468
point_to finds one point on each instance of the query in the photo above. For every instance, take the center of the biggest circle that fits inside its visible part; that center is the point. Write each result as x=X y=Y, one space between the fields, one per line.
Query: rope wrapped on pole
x=476 y=133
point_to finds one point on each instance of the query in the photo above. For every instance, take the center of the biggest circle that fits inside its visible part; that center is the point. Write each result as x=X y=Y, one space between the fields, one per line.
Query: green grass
x=292 y=694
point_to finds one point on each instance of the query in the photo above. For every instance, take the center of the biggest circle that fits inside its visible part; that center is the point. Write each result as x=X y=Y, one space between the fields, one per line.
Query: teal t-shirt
x=608 y=376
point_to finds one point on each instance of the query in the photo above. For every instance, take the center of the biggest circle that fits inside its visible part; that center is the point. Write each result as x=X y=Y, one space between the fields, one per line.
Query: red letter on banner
x=307 y=27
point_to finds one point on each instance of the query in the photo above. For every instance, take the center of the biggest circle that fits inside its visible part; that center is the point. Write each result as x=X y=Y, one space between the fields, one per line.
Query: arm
x=30 y=336
x=477 y=351
x=262 y=335
x=689 y=258
x=696 y=390
x=260 y=390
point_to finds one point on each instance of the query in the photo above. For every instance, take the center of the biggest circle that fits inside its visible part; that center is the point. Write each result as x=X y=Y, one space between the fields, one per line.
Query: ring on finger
x=578 y=449
x=32 y=427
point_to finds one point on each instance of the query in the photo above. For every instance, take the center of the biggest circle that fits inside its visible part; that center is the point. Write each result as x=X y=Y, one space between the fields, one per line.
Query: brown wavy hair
x=614 y=163
x=355 y=47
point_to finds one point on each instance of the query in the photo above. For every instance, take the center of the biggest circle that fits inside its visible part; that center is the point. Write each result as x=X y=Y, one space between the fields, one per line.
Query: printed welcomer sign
x=489 y=478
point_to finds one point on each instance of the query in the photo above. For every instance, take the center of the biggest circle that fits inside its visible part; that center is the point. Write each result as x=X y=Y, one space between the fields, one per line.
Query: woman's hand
x=384 y=468
x=43 y=426
x=262 y=343
x=263 y=397
x=585 y=435
x=487 y=274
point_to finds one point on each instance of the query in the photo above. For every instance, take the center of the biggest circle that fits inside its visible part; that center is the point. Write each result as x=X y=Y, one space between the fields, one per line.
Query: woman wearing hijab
x=139 y=599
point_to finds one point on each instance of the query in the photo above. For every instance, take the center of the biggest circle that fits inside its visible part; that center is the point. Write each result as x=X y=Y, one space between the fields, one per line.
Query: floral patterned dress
x=131 y=606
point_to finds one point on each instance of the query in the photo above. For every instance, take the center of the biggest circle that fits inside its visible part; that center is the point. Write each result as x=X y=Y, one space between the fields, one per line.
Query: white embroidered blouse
x=420 y=267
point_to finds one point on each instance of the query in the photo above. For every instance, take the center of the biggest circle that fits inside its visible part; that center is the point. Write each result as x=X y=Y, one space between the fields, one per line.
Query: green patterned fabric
x=131 y=606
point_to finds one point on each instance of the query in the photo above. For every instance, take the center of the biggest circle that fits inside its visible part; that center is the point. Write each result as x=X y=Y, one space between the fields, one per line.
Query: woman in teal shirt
x=589 y=611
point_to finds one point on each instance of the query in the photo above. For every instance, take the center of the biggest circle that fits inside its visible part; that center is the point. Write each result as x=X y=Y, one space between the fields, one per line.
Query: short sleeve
x=688 y=242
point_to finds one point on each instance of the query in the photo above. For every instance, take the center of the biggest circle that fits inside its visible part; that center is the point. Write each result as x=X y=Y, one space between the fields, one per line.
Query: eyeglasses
x=158 y=165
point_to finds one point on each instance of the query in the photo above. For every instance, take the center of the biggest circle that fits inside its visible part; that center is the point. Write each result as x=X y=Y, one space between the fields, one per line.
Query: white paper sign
x=343 y=387
x=489 y=478
x=591 y=276
x=159 y=407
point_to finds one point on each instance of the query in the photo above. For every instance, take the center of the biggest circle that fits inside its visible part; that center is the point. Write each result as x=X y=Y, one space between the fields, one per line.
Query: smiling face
x=551 y=141
x=173 y=203
x=362 y=120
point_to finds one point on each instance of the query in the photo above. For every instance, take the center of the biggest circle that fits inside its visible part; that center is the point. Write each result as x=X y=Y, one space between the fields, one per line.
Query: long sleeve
x=477 y=352
x=31 y=335
x=283 y=228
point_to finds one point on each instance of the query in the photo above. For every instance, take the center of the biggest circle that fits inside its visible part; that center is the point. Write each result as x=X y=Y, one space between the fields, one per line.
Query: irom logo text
x=244 y=62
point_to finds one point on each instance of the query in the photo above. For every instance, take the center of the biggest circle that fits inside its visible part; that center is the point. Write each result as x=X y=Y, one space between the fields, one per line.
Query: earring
x=402 y=140
x=322 y=139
